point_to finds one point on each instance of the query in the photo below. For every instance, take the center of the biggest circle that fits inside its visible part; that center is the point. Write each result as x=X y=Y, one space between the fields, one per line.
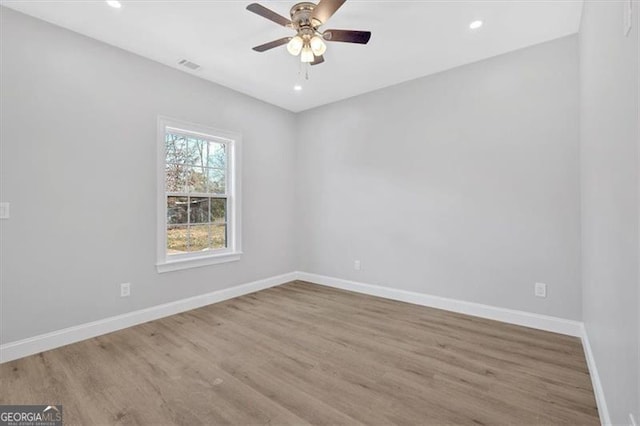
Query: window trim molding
x=233 y=251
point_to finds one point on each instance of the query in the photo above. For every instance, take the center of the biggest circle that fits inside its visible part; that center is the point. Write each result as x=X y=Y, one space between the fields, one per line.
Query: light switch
x=627 y=7
x=4 y=210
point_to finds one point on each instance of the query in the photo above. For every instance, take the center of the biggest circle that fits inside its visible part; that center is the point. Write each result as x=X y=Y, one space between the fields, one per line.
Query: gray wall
x=78 y=164
x=609 y=158
x=463 y=184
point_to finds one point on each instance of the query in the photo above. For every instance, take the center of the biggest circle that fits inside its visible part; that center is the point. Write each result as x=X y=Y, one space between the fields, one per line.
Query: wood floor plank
x=306 y=354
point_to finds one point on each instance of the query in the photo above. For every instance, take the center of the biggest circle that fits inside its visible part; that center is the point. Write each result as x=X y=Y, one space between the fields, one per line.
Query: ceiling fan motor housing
x=301 y=18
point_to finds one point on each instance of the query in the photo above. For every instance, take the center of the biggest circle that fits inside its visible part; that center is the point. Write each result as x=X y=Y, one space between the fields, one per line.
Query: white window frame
x=233 y=251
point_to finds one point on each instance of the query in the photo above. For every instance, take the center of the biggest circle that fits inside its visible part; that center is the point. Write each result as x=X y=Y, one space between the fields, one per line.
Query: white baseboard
x=55 y=339
x=603 y=410
x=527 y=319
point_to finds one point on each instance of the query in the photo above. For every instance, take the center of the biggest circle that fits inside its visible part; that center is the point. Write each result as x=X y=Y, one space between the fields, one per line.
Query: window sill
x=197 y=262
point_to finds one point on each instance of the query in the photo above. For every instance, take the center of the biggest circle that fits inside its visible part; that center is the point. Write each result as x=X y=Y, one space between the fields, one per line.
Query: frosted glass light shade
x=295 y=45
x=317 y=46
x=307 y=54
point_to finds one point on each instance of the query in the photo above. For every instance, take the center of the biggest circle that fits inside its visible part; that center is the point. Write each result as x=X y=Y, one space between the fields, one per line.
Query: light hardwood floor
x=302 y=353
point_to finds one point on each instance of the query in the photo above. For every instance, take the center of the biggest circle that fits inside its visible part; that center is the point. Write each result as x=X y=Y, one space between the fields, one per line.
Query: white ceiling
x=410 y=39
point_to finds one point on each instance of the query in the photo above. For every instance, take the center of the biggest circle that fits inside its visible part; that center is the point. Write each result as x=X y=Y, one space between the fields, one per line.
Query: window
x=198 y=196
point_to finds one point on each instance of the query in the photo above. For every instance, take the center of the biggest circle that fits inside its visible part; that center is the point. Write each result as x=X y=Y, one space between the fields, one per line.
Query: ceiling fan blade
x=272 y=44
x=318 y=60
x=347 y=36
x=325 y=9
x=258 y=9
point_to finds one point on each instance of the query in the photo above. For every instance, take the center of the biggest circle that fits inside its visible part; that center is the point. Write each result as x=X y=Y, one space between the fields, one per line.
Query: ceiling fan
x=306 y=19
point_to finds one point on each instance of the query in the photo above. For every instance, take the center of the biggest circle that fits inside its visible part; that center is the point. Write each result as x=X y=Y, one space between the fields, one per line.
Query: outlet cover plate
x=4 y=211
x=541 y=290
x=125 y=289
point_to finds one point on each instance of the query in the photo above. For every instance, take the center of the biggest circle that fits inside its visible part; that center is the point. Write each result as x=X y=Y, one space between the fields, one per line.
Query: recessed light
x=114 y=3
x=475 y=25
x=297 y=88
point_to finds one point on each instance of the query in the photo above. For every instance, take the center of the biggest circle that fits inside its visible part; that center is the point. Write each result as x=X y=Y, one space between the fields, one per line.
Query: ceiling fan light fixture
x=295 y=45
x=308 y=41
x=307 y=54
x=317 y=46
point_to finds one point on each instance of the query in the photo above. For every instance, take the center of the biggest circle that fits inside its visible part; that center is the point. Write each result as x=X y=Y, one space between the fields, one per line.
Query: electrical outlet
x=541 y=290
x=125 y=289
x=356 y=265
x=4 y=210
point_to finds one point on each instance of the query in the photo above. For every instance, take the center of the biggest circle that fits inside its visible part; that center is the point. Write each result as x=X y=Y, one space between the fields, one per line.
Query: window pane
x=197 y=152
x=217 y=155
x=197 y=179
x=195 y=175
x=218 y=236
x=176 y=177
x=176 y=239
x=176 y=148
x=199 y=209
x=177 y=210
x=218 y=210
x=198 y=237
x=216 y=181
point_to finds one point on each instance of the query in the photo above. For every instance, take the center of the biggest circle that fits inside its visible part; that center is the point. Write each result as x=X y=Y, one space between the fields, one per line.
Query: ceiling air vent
x=188 y=64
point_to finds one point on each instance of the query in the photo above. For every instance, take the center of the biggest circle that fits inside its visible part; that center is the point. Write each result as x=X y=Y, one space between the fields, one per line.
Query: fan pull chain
x=303 y=68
